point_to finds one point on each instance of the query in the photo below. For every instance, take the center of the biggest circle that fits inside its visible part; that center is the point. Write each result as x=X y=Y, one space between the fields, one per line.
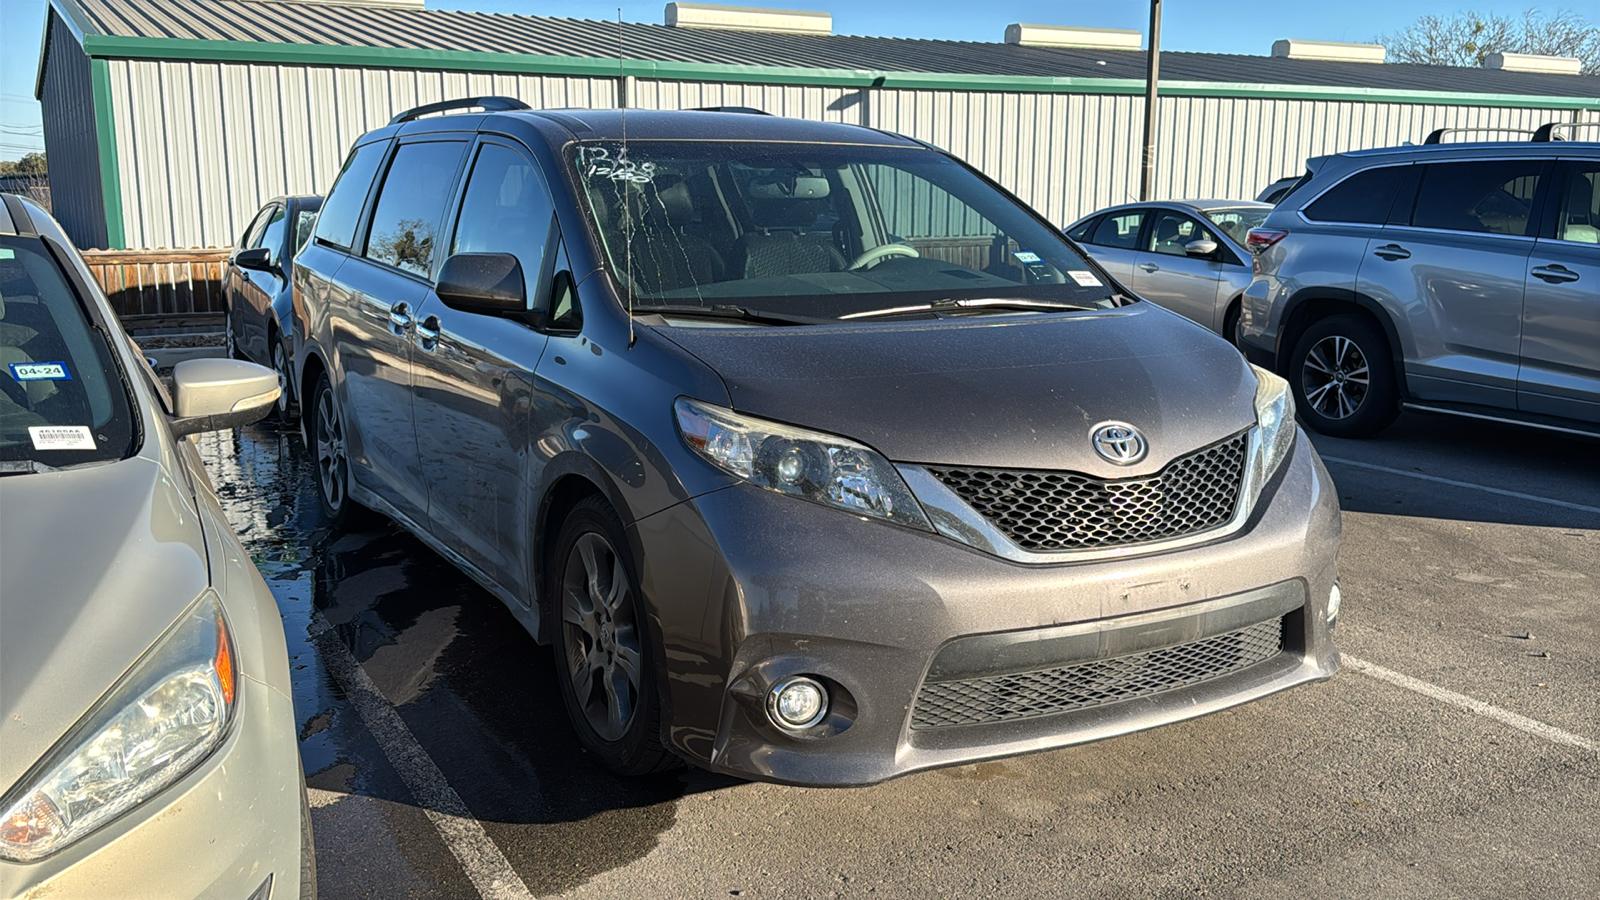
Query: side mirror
x=1200 y=249
x=257 y=258
x=219 y=394
x=487 y=283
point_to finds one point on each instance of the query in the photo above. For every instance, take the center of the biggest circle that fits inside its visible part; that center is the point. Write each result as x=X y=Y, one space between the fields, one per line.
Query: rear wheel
x=603 y=651
x=308 y=846
x=288 y=409
x=1343 y=377
x=329 y=452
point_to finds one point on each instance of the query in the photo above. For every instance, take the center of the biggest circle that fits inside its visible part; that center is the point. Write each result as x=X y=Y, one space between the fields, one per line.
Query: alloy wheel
x=603 y=643
x=1335 y=377
x=332 y=467
x=280 y=367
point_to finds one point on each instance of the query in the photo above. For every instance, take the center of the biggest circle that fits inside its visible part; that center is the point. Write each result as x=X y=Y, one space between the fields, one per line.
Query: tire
x=1230 y=323
x=603 y=651
x=308 y=846
x=325 y=429
x=230 y=338
x=1343 y=378
x=287 y=409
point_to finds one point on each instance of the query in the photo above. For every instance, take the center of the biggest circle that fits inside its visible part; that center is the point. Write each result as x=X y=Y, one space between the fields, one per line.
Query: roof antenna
x=627 y=206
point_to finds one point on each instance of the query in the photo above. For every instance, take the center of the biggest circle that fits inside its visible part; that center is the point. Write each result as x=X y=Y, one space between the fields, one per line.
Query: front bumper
x=217 y=834
x=747 y=587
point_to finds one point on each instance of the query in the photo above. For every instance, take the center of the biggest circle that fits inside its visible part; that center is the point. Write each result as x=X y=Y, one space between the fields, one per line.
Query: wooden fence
x=150 y=286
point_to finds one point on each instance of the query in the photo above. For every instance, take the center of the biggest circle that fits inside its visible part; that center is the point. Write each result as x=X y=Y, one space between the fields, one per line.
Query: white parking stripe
x=488 y=868
x=1505 y=717
x=1464 y=484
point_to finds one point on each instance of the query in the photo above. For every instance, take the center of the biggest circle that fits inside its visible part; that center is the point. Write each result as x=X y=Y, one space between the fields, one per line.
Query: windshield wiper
x=725 y=311
x=953 y=305
x=24 y=467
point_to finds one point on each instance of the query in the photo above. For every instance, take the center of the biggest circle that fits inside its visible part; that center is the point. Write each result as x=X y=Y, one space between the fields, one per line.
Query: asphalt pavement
x=1456 y=755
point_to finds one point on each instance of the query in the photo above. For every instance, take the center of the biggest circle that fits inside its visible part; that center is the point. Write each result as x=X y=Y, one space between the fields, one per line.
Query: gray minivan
x=1455 y=278
x=816 y=456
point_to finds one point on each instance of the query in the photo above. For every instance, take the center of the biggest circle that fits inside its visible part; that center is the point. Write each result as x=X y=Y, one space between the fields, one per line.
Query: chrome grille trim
x=1094 y=683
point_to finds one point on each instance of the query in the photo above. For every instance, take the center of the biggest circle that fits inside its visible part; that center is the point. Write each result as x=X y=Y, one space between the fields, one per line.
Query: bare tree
x=1467 y=38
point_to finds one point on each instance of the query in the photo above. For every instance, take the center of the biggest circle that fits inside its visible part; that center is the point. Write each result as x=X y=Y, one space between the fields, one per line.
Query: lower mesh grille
x=1001 y=698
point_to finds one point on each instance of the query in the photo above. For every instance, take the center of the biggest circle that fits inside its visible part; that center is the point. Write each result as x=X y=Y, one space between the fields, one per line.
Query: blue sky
x=1219 y=26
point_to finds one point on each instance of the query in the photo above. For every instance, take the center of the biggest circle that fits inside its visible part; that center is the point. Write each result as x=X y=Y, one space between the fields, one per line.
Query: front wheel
x=327 y=434
x=603 y=649
x=288 y=410
x=1343 y=377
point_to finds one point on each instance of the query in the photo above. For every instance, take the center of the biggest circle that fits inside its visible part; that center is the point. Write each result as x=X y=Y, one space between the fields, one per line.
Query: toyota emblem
x=1118 y=443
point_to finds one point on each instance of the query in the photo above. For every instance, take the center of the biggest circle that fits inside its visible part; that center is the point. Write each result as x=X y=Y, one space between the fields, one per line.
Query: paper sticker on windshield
x=1083 y=278
x=61 y=437
x=8 y=254
x=40 y=371
x=1027 y=257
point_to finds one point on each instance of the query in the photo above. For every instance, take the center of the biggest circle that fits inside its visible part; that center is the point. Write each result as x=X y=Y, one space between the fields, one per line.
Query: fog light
x=797 y=703
x=1334 y=598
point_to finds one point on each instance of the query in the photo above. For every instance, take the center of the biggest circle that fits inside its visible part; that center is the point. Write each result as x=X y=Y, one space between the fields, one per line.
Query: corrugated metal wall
x=201 y=145
x=76 y=199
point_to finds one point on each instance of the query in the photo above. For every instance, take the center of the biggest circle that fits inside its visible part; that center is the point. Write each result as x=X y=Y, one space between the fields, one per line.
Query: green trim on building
x=106 y=137
x=102 y=47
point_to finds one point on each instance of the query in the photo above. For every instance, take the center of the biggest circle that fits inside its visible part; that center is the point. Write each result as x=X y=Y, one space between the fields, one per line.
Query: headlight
x=1275 y=417
x=822 y=468
x=159 y=722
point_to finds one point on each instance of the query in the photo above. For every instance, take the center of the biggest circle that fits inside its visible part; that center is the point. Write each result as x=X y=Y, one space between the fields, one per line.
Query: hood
x=1006 y=392
x=95 y=564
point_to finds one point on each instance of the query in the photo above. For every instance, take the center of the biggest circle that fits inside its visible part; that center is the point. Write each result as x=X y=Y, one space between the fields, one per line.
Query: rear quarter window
x=1363 y=198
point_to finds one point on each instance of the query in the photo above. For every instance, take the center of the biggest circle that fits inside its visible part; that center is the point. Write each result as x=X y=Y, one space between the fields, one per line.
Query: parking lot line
x=1504 y=716
x=1465 y=484
x=488 y=869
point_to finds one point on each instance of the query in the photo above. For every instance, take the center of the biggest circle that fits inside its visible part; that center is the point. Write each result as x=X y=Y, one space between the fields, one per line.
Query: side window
x=1120 y=230
x=342 y=210
x=1173 y=232
x=272 y=236
x=1363 y=198
x=506 y=209
x=1081 y=233
x=304 y=220
x=1579 y=218
x=252 y=232
x=1491 y=197
x=406 y=218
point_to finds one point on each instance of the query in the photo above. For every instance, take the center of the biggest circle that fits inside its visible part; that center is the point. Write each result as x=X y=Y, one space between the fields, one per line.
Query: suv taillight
x=1260 y=239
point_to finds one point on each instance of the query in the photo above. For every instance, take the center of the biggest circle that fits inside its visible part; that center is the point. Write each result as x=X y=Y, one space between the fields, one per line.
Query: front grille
x=1053 y=511
x=1025 y=695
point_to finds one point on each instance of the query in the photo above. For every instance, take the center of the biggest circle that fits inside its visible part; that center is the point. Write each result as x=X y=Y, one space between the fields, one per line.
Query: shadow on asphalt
x=472 y=686
x=1504 y=457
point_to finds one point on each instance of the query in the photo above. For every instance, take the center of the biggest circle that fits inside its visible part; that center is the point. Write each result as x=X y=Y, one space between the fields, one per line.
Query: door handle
x=1392 y=252
x=1150 y=267
x=428 y=333
x=1555 y=273
x=399 y=317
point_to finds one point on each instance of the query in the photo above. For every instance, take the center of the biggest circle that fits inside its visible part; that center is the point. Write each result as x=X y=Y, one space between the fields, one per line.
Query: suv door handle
x=1392 y=252
x=399 y=317
x=1555 y=273
x=428 y=333
x=1150 y=267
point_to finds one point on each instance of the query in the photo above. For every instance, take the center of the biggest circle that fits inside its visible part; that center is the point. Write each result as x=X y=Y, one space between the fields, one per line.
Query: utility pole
x=1147 y=176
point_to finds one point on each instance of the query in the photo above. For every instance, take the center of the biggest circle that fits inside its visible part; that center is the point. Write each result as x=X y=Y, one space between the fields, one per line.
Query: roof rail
x=1436 y=136
x=1547 y=131
x=488 y=104
x=747 y=110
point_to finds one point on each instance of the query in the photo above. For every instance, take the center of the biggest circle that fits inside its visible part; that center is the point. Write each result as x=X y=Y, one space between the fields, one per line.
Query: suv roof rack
x=488 y=104
x=1436 y=136
x=747 y=110
x=1547 y=131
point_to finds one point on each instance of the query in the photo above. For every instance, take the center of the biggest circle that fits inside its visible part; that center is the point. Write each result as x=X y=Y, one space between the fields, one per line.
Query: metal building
x=168 y=122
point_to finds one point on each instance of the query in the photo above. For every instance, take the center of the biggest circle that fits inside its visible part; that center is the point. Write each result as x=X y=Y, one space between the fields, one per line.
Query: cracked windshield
x=821 y=232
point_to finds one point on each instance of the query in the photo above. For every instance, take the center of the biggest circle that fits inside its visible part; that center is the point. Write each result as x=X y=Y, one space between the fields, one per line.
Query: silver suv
x=1456 y=278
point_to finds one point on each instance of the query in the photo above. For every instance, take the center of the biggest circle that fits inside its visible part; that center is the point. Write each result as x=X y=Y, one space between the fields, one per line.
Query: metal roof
x=337 y=26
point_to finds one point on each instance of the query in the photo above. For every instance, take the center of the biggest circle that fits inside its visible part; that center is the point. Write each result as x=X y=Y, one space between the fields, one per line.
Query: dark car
x=817 y=456
x=257 y=289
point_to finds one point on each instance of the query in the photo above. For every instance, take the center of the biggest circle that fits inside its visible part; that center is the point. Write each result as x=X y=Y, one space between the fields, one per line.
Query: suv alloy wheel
x=1343 y=377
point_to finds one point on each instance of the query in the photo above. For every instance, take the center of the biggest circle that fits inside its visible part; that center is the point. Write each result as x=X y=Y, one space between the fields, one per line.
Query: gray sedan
x=147 y=739
x=1186 y=255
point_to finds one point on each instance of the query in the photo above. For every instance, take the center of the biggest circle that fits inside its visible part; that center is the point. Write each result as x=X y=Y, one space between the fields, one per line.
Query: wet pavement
x=403 y=667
